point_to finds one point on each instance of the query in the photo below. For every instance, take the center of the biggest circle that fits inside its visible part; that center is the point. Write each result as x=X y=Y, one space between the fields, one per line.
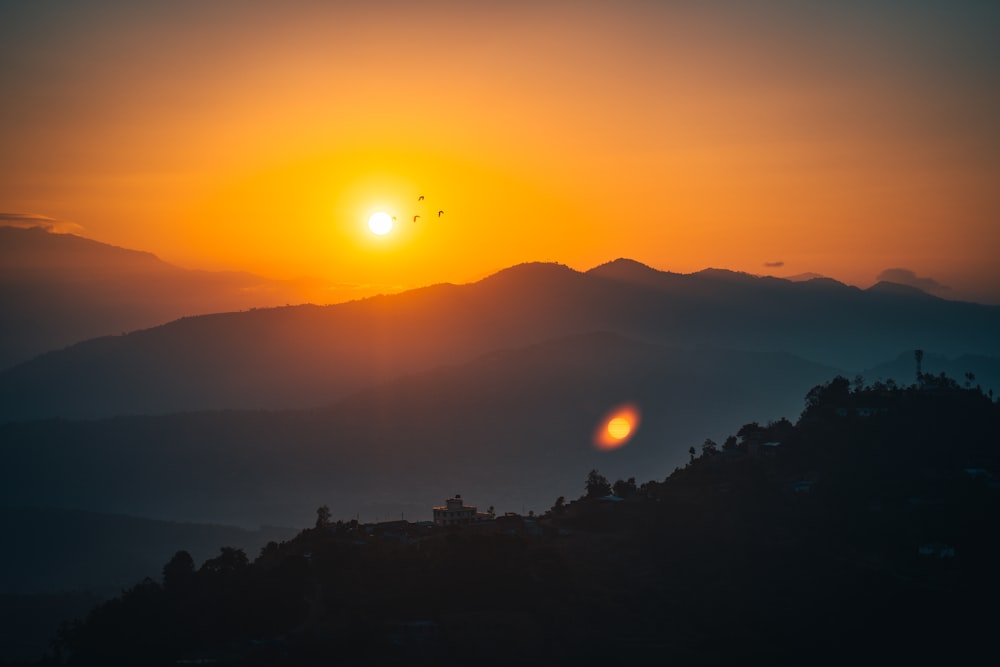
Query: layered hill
x=59 y=289
x=311 y=355
x=512 y=429
x=71 y=550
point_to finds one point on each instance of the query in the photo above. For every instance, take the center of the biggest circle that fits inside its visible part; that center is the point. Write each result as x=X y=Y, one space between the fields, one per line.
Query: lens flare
x=619 y=428
x=616 y=427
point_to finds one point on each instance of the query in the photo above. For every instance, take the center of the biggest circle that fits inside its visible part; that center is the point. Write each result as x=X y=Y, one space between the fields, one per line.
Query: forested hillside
x=862 y=528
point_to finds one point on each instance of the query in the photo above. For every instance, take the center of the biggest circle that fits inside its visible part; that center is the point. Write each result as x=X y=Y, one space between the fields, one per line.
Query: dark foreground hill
x=509 y=429
x=860 y=534
x=57 y=564
x=305 y=356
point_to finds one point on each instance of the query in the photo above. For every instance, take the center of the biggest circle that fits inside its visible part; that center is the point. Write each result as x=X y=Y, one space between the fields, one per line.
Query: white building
x=456 y=513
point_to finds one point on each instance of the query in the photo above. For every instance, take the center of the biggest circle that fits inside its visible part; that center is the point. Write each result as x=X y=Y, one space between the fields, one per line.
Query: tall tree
x=179 y=572
x=323 y=516
x=597 y=485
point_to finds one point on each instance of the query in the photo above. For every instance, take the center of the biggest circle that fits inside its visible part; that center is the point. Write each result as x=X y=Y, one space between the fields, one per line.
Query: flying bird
x=415 y=218
x=439 y=213
x=420 y=198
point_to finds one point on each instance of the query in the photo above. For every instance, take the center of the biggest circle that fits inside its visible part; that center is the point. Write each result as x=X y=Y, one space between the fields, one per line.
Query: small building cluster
x=456 y=513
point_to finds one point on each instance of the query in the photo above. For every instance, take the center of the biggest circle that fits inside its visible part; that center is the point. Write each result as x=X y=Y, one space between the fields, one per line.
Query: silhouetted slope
x=59 y=289
x=884 y=555
x=58 y=564
x=509 y=429
x=38 y=251
x=308 y=355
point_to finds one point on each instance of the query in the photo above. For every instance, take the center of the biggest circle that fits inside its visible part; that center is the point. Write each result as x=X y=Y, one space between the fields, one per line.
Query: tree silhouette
x=179 y=573
x=323 y=516
x=834 y=393
x=597 y=485
x=229 y=562
x=750 y=432
x=625 y=488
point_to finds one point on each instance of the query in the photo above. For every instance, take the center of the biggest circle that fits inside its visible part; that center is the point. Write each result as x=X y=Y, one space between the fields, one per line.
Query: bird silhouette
x=415 y=218
x=420 y=198
x=439 y=213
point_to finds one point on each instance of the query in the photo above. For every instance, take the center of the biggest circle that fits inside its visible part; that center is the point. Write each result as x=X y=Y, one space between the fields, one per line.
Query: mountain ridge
x=297 y=356
x=60 y=289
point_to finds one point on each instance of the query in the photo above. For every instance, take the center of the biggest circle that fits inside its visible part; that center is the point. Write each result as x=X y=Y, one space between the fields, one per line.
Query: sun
x=380 y=223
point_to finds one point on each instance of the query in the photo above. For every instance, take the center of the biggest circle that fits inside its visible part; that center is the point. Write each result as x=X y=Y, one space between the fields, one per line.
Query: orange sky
x=843 y=140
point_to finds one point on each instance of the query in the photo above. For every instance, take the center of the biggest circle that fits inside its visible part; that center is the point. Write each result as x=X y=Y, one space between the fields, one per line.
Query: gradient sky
x=842 y=138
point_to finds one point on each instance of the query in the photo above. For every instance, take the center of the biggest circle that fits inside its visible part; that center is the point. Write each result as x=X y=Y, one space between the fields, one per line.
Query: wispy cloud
x=774 y=265
x=31 y=220
x=908 y=277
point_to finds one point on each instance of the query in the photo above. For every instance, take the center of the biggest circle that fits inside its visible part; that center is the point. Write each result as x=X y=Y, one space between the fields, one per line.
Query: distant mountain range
x=309 y=355
x=60 y=289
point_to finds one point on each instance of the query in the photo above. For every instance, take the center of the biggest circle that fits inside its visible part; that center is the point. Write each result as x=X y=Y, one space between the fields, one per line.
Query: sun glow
x=617 y=427
x=380 y=223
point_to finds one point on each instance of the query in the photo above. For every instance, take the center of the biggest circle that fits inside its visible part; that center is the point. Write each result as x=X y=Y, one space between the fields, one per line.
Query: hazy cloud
x=907 y=277
x=369 y=287
x=774 y=265
x=31 y=220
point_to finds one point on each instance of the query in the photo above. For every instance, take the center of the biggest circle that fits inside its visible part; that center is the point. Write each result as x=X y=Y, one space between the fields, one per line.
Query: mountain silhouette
x=309 y=355
x=59 y=289
x=897 y=289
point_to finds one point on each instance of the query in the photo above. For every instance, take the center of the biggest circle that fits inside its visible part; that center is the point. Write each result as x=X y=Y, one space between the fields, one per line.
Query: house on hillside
x=456 y=513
